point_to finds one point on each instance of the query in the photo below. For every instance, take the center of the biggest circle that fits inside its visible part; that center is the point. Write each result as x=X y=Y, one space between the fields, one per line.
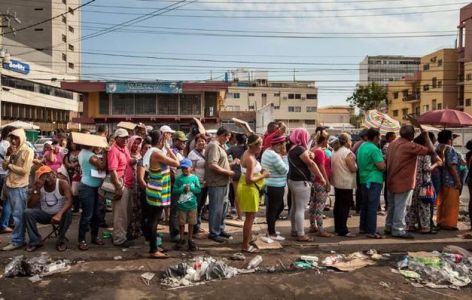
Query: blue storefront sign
x=17 y=66
x=154 y=87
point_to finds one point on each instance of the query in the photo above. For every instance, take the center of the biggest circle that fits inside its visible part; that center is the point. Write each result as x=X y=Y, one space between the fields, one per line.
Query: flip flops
x=251 y=249
x=158 y=255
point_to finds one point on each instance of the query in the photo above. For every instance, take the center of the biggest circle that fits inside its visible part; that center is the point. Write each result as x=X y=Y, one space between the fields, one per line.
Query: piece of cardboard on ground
x=352 y=265
x=89 y=140
x=261 y=245
x=127 y=125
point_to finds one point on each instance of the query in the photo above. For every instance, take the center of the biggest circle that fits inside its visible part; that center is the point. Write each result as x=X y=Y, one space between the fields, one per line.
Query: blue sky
x=331 y=62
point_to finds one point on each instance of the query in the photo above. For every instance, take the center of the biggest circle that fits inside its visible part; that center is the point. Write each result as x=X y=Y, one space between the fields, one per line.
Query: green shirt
x=186 y=201
x=368 y=156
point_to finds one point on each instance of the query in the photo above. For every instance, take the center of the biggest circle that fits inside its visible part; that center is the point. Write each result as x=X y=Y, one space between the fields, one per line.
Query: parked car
x=39 y=144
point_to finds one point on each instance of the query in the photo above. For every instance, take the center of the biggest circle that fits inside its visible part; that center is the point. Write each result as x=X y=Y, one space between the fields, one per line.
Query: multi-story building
x=464 y=50
x=382 y=69
x=435 y=87
x=38 y=58
x=294 y=102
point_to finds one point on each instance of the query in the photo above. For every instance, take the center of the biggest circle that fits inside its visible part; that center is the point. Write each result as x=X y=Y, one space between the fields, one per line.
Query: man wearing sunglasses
x=50 y=202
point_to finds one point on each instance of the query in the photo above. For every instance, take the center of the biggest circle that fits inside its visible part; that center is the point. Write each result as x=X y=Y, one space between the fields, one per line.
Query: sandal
x=304 y=238
x=83 y=246
x=98 y=242
x=61 y=247
x=32 y=248
x=376 y=236
x=158 y=255
x=251 y=249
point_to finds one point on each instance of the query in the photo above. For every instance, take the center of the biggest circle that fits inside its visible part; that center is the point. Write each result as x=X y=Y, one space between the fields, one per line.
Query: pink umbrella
x=446 y=118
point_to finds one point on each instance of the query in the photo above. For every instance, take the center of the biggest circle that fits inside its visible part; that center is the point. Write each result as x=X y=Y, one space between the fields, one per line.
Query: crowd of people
x=166 y=177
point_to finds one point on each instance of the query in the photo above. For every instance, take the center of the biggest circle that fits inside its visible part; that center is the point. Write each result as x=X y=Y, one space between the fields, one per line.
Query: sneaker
x=11 y=247
x=226 y=235
x=179 y=245
x=217 y=239
x=192 y=246
x=277 y=238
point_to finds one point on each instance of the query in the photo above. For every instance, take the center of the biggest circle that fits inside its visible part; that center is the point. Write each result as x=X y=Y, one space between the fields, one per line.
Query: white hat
x=166 y=129
x=120 y=132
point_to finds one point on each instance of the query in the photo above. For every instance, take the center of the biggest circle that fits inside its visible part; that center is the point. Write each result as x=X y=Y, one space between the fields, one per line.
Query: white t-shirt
x=4 y=144
x=199 y=160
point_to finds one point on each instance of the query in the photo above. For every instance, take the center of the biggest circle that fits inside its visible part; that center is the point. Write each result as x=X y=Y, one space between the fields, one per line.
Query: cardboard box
x=127 y=125
x=89 y=140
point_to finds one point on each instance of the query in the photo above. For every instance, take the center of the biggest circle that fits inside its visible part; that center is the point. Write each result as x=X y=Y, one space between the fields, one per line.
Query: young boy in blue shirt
x=187 y=187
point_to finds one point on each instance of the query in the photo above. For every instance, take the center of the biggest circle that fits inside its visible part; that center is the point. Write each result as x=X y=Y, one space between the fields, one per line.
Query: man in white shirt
x=6 y=212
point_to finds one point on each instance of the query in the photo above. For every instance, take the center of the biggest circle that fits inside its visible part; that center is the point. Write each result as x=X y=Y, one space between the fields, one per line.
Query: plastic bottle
x=255 y=262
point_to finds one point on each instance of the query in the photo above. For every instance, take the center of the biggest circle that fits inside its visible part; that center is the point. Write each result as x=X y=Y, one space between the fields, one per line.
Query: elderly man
x=118 y=160
x=50 y=203
x=18 y=162
x=402 y=156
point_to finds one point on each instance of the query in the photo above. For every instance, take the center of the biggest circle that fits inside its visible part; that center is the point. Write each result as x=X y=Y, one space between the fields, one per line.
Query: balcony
x=413 y=98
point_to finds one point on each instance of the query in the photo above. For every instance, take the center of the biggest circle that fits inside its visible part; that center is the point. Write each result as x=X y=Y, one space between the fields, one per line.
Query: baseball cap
x=165 y=129
x=179 y=135
x=120 y=132
x=43 y=170
x=185 y=163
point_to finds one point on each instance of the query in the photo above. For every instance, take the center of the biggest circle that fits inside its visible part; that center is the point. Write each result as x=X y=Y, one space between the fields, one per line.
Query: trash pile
x=353 y=261
x=37 y=267
x=202 y=269
x=450 y=269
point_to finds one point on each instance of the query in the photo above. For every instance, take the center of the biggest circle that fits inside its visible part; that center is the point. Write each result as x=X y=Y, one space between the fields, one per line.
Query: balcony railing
x=412 y=97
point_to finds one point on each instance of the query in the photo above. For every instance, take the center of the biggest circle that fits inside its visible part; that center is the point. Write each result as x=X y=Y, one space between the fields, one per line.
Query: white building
x=384 y=68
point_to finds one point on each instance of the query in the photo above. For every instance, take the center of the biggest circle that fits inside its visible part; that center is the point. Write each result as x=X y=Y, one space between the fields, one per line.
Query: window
x=405 y=111
x=310 y=122
x=264 y=95
x=433 y=105
x=276 y=94
x=311 y=96
x=190 y=105
x=426 y=87
x=440 y=62
x=405 y=93
x=395 y=113
x=71 y=65
x=294 y=109
x=298 y=96
x=38 y=29
x=17 y=83
x=435 y=82
x=291 y=96
x=251 y=94
x=64 y=38
x=167 y=104
x=311 y=109
x=425 y=67
x=395 y=95
x=122 y=104
x=467 y=102
x=425 y=108
x=439 y=83
x=104 y=104
x=439 y=105
x=71 y=47
x=39 y=9
x=64 y=19
x=64 y=57
x=71 y=29
x=62 y=93
x=44 y=89
x=145 y=104
x=468 y=77
x=236 y=95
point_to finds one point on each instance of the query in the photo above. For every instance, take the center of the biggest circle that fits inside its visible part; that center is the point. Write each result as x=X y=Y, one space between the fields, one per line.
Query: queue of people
x=165 y=177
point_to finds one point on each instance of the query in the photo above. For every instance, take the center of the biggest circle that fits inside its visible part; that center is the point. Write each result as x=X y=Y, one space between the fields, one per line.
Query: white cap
x=120 y=132
x=166 y=129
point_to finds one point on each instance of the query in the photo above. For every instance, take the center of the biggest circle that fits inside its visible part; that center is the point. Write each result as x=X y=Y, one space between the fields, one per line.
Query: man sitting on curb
x=50 y=202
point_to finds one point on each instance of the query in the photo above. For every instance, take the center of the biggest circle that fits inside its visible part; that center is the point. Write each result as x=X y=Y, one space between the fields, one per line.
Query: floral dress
x=419 y=212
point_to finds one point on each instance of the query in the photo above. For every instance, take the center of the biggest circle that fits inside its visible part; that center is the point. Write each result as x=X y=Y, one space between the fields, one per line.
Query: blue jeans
x=36 y=215
x=370 y=203
x=17 y=197
x=395 y=222
x=217 y=208
x=90 y=216
x=6 y=211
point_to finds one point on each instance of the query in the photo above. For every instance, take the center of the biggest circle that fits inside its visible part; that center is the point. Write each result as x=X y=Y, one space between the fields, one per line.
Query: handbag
x=107 y=189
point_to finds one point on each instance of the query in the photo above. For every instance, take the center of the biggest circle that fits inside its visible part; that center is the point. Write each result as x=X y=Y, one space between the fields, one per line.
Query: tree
x=367 y=97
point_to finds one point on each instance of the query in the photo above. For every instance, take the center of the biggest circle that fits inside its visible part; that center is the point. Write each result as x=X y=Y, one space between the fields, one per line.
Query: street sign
x=152 y=87
x=17 y=66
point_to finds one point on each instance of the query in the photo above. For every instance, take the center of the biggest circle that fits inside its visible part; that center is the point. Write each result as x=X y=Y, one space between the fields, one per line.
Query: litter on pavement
x=451 y=268
x=147 y=277
x=41 y=265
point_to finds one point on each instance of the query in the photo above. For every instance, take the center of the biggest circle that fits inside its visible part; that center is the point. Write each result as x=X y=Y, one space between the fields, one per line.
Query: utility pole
x=5 y=23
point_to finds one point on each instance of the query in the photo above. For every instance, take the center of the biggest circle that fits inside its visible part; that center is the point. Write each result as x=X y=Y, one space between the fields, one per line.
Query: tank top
x=51 y=202
x=256 y=170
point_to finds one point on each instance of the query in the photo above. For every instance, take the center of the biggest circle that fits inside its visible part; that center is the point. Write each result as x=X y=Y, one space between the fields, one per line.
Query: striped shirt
x=277 y=166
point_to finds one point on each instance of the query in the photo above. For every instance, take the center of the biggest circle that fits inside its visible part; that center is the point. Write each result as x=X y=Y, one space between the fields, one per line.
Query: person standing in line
x=319 y=192
x=389 y=138
x=71 y=163
x=218 y=174
x=250 y=187
x=118 y=160
x=142 y=176
x=274 y=160
x=158 y=188
x=90 y=164
x=166 y=140
x=357 y=145
x=344 y=169
x=134 y=227
x=5 y=218
x=402 y=157
x=273 y=129
x=371 y=165
x=301 y=168
x=234 y=155
x=469 y=178
x=18 y=162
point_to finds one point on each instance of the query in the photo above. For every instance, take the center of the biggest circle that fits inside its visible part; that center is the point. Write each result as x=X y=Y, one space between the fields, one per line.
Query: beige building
x=334 y=114
x=294 y=102
x=467 y=84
